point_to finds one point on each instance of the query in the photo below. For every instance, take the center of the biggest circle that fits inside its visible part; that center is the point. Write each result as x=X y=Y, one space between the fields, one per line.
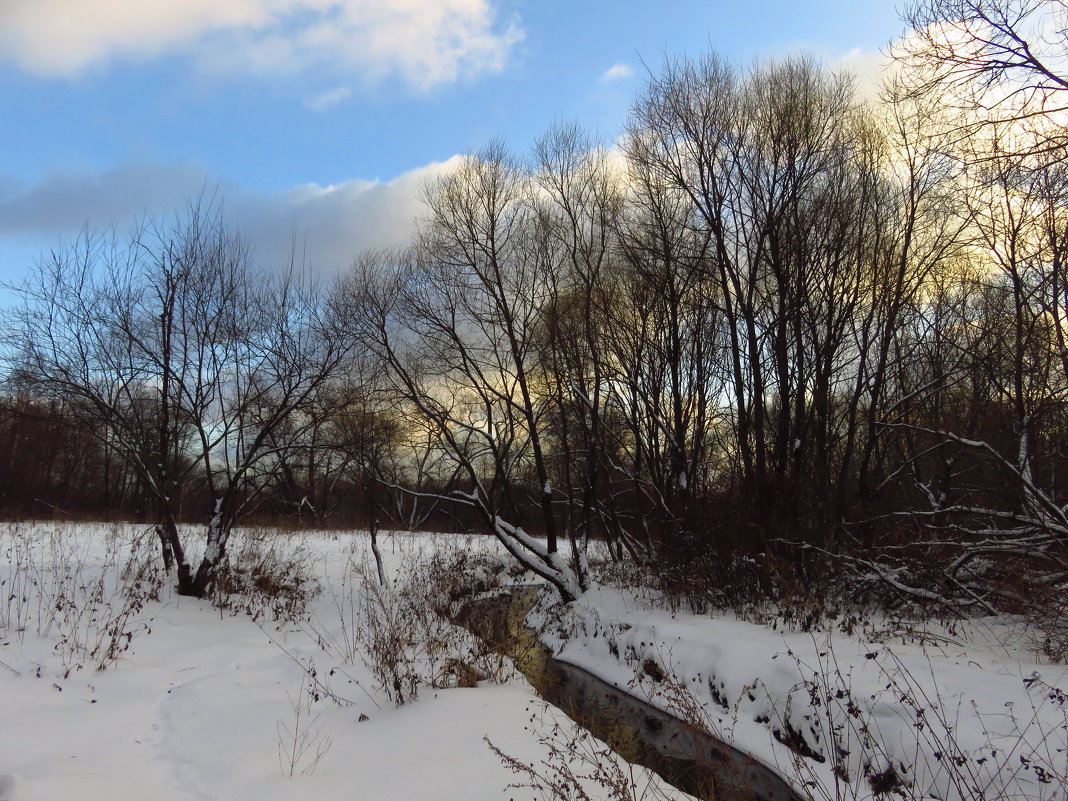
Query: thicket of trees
x=779 y=329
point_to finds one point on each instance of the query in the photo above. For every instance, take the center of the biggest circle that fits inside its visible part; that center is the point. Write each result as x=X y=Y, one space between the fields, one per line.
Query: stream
x=687 y=757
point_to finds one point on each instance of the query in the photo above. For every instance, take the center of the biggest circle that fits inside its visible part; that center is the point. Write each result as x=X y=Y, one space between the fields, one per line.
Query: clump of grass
x=267 y=576
x=400 y=629
x=408 y=641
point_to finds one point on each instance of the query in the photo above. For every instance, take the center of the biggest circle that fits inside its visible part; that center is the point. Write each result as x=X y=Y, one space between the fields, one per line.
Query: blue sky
x=320 y=119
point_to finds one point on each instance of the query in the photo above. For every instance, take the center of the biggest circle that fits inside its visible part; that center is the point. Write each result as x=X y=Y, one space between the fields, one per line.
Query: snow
x=195 y=701
x=196 y=706
x=860 y=703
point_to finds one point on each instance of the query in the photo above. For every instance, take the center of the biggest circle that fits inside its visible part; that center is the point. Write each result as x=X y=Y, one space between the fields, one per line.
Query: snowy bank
x=840 y=716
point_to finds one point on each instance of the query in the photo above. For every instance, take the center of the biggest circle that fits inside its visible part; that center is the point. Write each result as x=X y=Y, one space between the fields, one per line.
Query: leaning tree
x=457 y=320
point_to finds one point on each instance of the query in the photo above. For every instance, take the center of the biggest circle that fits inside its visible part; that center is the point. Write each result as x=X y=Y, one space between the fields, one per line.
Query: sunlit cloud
x=424 y=42
x=869 y=69
x=329 y=225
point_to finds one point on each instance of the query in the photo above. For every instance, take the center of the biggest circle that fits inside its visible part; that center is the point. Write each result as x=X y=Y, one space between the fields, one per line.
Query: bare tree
x=577 y=200
x=972 y=422
x=458 y=322
x=666 y=336
x=786 y=180
x=996 y=62
x=184 y=356
x=51 y=461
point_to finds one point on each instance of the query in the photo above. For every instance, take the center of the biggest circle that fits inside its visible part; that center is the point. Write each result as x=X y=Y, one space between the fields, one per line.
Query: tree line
x=779 y=332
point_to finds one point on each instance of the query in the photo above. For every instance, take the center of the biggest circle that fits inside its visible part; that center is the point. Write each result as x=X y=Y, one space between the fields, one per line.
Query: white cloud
x=328 y=225
x=617 y=72
x=331 y=224
x=425 y=42
x=327 y=100
x=869 y=68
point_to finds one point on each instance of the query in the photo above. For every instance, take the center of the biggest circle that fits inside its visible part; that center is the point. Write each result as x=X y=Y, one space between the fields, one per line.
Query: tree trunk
x=218 y=535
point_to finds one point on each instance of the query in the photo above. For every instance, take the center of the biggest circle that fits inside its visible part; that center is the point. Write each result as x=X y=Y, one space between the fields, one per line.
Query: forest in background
x=779 y=341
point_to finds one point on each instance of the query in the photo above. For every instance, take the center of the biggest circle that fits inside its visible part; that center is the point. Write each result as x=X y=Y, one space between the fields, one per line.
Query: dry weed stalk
x=303 y=741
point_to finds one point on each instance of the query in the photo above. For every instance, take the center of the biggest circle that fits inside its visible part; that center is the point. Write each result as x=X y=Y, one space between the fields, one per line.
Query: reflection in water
x=684 y=755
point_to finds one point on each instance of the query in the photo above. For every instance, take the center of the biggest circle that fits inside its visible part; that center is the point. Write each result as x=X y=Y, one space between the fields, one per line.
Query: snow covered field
x=203 y=703
x=255 y=701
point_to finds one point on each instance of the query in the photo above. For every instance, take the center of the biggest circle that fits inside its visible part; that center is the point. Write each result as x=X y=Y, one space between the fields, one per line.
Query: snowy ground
x=203 y=703
x=195 y=702
x=918 y=709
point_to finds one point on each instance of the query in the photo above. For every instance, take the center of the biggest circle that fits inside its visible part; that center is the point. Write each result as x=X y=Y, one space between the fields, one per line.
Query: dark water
x=683 y=755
